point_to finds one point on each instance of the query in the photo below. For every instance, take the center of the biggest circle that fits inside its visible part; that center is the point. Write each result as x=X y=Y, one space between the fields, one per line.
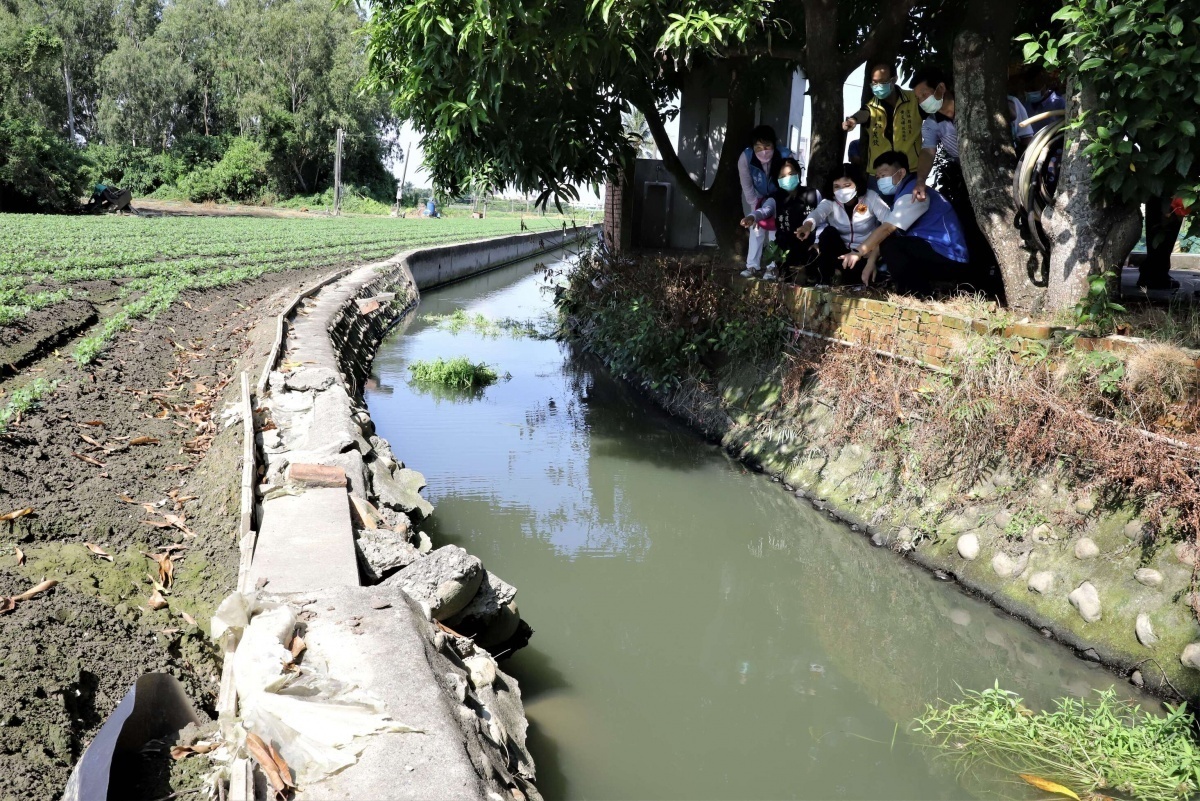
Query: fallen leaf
x=182 y=751
x=191 y=621
x=157 y=523
x=127 y=499
x=166 y=568
x=143 y=441
x=96 y=549
x=7 y=605
x=1048 y=786
x=20 y=557
x=35 y=590
x=93 y=423
x=273 y=765
x=13 y=515
x=156 y=601
x=88 y=459
x=162 y=414
x=178 y=522
x=90 y=441
x=298 y=646
x=168 y=632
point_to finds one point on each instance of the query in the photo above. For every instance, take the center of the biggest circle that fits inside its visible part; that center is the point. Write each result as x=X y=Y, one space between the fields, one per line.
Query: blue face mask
x=887 y=186
x=882 y=90
x=789 y=182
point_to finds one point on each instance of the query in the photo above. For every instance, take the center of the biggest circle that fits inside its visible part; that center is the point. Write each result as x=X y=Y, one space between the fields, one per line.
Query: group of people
x=880 y=207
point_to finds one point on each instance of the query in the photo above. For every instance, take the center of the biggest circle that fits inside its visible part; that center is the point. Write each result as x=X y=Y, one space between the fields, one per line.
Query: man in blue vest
x=920 y=241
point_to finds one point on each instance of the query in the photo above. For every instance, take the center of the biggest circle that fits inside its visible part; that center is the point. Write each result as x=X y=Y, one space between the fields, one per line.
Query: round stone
x=1144 y=631
x=1085 y=548
x=1148 y=576
x=1085 y=505
x=1041 y=582
x=1086 y=600
x=1186 y=553
x=968 y=546
x=1191 y=656
x=1003 y=565
x=1133 y=530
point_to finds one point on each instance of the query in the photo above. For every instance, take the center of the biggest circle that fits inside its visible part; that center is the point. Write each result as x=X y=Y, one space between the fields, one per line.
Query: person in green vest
x=892 y=118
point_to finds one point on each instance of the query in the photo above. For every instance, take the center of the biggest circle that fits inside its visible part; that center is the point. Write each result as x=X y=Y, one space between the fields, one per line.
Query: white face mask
x=931 y=104
x=845 y=194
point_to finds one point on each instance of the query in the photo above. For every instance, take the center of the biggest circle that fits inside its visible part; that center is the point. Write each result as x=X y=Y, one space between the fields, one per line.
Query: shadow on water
x=699 y=632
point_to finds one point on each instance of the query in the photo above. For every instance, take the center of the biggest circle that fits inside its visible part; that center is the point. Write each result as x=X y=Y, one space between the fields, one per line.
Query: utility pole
x=337 y=173
x=403 y=175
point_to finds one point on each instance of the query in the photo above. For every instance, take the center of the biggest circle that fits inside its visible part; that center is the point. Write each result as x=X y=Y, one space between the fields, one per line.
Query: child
x=788 y=206
x=758 y=167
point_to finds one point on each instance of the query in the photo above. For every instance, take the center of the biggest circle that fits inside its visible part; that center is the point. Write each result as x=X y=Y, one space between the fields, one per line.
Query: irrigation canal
x=700 y=633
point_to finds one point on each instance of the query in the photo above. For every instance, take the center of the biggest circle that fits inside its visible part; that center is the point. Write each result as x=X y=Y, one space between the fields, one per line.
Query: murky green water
x=700 y=633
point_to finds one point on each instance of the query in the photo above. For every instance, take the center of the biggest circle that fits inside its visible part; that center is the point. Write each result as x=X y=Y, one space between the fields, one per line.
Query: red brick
x=316 y=475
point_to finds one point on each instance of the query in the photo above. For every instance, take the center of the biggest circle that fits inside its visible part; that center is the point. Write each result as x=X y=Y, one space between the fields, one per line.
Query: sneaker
x=770 y=275
x=749 y=272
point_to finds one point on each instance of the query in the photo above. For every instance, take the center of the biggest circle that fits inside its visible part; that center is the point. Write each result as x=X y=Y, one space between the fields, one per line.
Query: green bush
x=241 y=174
x=39 y=170
x=138 y=169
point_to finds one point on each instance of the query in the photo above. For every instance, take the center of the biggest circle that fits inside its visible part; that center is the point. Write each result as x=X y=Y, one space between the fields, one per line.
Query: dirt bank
x=130 y=455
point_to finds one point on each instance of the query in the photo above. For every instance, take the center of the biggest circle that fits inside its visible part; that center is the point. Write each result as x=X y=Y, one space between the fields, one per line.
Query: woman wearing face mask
x=790 y=204
x=849 y=217
x=758 y=168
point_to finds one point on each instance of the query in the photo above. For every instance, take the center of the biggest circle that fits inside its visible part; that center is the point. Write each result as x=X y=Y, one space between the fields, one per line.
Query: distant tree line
x=208 y=99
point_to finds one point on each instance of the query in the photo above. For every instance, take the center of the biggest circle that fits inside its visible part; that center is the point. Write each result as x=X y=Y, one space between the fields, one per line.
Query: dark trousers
x=913 y=264
x=1162 y=230
x=830 y=249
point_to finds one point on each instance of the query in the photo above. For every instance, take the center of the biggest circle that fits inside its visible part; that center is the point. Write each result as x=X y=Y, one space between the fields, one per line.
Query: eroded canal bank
x=699 y=632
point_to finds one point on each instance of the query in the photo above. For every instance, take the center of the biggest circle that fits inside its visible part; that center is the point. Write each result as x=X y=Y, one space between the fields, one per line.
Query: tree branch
x=785 y=52
x=887 y=31
x=693 y=191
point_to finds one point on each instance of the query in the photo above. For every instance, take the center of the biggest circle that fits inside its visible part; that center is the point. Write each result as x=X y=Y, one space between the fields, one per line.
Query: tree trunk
x=70 y=102
x=1086 y=237
x=826 y=75
x=986 y=151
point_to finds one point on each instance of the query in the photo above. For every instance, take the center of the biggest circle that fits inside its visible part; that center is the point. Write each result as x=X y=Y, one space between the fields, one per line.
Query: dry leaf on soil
x=178 y=522
x=156 y=601
x=180 y=751
x=277 y=771
x=166 y=568
x=7 y=605
x=20 y=557
x=191 y=621
x=143 y=441
x=126 y=499
x=96 y=549
x=93 y=423
x=36 y=590
x=298 y=646
x=90 y=441
x=13 y=515
x=1048 y=786
x=88 y=459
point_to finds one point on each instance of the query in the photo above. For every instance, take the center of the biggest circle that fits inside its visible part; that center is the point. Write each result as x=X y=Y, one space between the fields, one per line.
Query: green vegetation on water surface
x=1098 y=747
x=457 y=373
x=44 y=259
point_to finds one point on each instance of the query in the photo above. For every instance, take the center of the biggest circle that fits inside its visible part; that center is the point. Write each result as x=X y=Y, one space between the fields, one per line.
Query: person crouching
x=788 y=206
x=850 y=216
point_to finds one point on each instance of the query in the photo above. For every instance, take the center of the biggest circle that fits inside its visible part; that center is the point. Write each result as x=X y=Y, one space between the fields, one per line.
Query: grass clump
x=1092 y=747
x=457 y=373
x=460 y=320
x=22 y=400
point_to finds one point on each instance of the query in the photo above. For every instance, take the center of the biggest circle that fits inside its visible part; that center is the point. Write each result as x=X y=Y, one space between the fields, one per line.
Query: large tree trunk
x=70 y=102
x=826 y=72
x=986 y=150
x=1086 y=237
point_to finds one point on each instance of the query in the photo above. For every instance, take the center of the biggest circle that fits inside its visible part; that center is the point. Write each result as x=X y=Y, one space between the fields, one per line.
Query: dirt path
x=69 y=656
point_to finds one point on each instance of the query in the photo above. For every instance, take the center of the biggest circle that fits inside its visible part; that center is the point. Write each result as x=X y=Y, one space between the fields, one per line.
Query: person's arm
x=764 y=212
x=876 y=238
x=876 y=205
x=815 y=218
x=748 y=194
x=930 y=138
x=859 y=117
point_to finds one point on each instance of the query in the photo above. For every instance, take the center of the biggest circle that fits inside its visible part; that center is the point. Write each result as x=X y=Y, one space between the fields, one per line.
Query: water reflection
x=699 y=632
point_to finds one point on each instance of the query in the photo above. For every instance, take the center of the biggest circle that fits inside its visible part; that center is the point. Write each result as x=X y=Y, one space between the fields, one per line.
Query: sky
x=418 y=176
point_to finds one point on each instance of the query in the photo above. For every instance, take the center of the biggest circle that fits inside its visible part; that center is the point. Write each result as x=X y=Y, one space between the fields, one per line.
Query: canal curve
x=700 y=632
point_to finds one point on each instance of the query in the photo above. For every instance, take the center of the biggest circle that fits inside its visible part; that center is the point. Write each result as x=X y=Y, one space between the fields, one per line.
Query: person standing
x=1040 y=97
x=892 y=120
x=758 y=168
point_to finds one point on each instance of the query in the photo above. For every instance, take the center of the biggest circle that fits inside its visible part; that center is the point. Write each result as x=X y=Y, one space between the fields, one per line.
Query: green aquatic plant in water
x=1097 y=747
x=457 y=373
x=459 y=321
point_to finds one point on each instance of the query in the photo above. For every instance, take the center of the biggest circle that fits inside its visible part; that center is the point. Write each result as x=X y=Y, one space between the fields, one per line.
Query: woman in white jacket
x=849 y=214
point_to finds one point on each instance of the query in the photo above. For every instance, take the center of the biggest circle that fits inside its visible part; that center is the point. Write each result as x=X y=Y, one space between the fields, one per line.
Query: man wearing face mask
x=893 y=122
x=935 y=93
x=1040 y=97
x=920 y=240
x=758 y=168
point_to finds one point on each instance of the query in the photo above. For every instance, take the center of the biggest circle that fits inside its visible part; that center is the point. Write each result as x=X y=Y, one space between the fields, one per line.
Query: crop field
x=47 y=260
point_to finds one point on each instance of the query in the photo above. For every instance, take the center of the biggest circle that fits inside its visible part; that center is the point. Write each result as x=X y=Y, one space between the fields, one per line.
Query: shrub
x=138 y=169
x=240 y=174
x=666 y=319
x=39 y=170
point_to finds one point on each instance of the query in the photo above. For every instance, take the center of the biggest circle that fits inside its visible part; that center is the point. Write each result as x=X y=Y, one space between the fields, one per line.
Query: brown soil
x=70 y=656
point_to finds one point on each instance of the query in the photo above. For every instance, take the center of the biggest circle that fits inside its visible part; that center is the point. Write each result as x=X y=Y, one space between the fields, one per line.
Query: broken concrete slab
x=446 y=580
x=382 y=552
x=401 y=491
x=489 y=602
x=311 y=379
